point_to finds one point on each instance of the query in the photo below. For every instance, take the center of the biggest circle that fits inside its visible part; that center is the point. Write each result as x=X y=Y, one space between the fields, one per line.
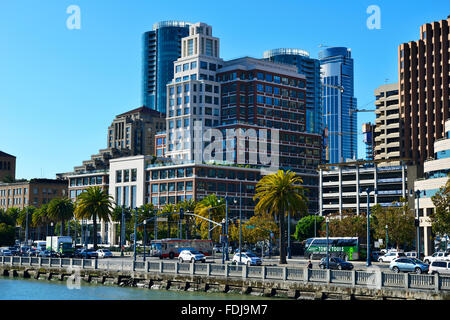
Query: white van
x=440 y=266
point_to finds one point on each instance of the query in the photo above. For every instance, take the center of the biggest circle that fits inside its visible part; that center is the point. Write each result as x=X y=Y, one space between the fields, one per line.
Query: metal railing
x=354 y=278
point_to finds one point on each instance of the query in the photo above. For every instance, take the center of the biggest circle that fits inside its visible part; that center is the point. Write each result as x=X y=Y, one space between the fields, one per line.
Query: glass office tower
x=311 y=69
x=339 y=103
x=161 y=47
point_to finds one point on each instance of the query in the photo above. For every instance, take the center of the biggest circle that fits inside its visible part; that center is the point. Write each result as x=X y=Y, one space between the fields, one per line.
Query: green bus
x=347 y=248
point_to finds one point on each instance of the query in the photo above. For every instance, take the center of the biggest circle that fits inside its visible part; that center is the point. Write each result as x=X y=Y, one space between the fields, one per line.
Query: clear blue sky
x=61 y=88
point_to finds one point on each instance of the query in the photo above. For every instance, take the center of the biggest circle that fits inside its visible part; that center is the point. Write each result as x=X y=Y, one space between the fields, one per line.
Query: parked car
x=408 y=265
x=5 y=252
x=376 y=255
x=437 y=256
x=191 y=256
x=47 y=253
x=390 y=256
x=217 y=248
x=411 y=254
x=247 y=258
x=440 y=266
x=33 y=252
x=104 y=253
x=335 y=263
x=85 y=253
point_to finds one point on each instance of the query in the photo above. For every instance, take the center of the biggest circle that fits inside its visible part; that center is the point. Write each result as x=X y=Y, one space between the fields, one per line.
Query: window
x=185 y=66
x=177 y=68
x=203 y=65
x=193 y=65
x=212 y=67
x=118 y=176
x=190 y=47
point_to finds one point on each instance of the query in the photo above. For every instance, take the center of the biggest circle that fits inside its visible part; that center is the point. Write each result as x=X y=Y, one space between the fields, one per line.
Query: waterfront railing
x=354 y=278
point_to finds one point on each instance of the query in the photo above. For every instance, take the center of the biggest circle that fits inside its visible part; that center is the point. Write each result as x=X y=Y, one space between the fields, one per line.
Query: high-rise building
x=424 y=89
x=7 y=167
x=135 y=130
x=339 y=104
x=161 y=47
x=193 y=94
x=387 y=123
x=310 y=67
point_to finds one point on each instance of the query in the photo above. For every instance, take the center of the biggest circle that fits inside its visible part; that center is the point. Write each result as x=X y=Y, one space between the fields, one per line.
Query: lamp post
x=387 y=238
x=135 y=233
x=51 y=239
x=368 y=190
x=289 y=235
x=122 y=232
x=223 y=241
x=145 y=235
x=240 y=222
x=328 y=253
x=26 y=229
x=417 y=194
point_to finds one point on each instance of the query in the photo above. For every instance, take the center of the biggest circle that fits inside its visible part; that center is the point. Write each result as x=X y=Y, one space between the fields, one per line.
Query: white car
x=440 y=266
x=104 y=253
x=436 y=256
x=191 y=256
x=247 y=258
x=390 y=256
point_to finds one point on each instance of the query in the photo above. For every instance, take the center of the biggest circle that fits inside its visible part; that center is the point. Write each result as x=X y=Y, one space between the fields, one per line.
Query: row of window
x=170 y=187
x=281 y=125
x=86 y=181
x=163 y=200
x=24 y=191
x=186 y=66
x=5 y=165
x=169 y=173
x=126 y=175
x=268 y=77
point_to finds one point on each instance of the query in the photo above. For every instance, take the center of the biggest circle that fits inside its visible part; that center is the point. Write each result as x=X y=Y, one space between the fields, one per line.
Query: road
x=295 y=261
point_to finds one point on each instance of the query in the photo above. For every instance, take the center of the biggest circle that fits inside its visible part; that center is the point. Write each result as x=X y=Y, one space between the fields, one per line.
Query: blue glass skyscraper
x=339 y=103
x=161 y=47
x=311 y=69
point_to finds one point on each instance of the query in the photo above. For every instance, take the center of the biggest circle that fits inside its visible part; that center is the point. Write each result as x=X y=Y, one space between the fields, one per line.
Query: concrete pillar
x=375 y=183
x=340 y=191
x=226 y=270
x=284 y=276
x=263 y=272
x=353 y=275
x=406 y=281
x=403 y=180
x=328 y=275
x=305 y=275
x=208 y=269
x=192 y=268
x=176 y=267
x=320 y=191
x=147 y=266
x=378 y=279
x=436 y=282
x=160 y=266
x=244 y=271
x=357 y=190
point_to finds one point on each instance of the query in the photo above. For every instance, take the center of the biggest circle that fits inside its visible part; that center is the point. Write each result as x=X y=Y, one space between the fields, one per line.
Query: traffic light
x=181 y=213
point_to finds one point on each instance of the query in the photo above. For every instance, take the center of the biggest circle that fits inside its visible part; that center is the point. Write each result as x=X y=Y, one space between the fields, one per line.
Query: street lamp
x=223 y=240
x=51 y=239
x=387 y=238
x=135 y=232
x=328 y=254
x=417 y=194
x=240 y=222
x=145 y=235
x=122 y=231
x=367 y=191
x=26 y=230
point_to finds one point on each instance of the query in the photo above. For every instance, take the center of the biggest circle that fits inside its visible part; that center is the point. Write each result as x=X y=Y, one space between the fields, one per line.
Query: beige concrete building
x=7 y=166
x=387 y=124
x=34 y=192
x=135 y=130
x=424 y=89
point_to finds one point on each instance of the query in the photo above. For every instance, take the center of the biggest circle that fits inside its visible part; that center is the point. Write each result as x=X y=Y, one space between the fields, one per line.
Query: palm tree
x=60 y=209
x=94 y=204
x=278 y=194
x=203 y=208
x=40 y=218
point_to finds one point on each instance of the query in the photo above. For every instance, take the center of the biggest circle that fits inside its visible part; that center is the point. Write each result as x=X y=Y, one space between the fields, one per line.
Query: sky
x=61 y=88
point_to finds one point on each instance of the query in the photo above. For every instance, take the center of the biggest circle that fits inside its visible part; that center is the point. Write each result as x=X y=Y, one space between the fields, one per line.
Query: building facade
x=310 y=67
x=341 y=185
x=436 y=175
x=161 y=47
x=339 y=103
x=135 y=130
x=424 y=89
x=369 y=139
x=7 y=166
x=387 y=123
x=34 y=192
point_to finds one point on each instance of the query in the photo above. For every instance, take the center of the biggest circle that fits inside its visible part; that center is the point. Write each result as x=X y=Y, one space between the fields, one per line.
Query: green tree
x=22 y=218
x=440 y=218
x=278 y=194
x=94 y=204
x=346 y=225
x=188 y=206
x=169 y=209
x=7 y=229
x=60 y=209
x=305 y=227
x=400 y=222
x=203 y=208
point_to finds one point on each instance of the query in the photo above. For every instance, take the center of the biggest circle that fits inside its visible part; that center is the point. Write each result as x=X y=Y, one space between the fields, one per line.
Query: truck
x=62 y=245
